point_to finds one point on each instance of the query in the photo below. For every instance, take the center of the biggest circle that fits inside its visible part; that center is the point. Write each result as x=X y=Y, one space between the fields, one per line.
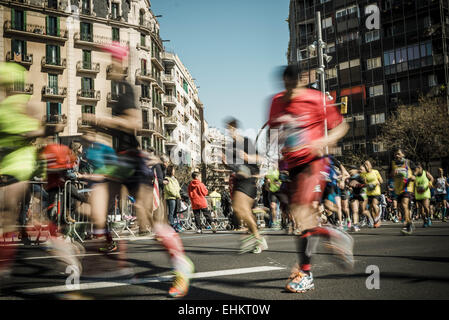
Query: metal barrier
x=31 y=216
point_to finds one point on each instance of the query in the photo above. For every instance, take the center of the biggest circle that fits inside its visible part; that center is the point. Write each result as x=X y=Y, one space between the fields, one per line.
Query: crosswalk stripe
x=121 y=283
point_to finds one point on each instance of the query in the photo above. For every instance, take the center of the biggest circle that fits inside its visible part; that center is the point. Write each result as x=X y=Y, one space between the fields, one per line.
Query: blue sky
x=233 y=49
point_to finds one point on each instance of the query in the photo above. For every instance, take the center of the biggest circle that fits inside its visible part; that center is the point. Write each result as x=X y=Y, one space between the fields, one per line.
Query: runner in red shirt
x=300 y=116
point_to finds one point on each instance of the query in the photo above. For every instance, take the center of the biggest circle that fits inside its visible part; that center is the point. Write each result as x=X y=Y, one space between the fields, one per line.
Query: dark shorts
x=403 y=195
x=358 y=197
x=345 y=194
x=307 y=182
x=374 y=197
x=440 y=197
x=247 y=186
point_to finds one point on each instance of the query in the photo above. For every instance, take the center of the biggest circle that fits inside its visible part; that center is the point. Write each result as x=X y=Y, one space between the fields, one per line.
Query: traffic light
x=344 y=105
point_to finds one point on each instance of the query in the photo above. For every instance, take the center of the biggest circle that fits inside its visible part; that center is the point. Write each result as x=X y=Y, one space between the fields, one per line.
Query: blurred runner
x=373 y=180
x=441 y=184
x=18 y=163
x=244 y=162
x=132 y=169
x=300 y=115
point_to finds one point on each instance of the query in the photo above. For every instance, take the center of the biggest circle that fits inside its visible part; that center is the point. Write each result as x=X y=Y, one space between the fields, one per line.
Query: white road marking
x=121 y=283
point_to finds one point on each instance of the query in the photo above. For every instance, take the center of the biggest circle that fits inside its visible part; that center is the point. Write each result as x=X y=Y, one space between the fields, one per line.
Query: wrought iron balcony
x=58 y=93
x=34 y=32
x=90 y=95
x=88 y=67
x=53 y=64
x=21 y=88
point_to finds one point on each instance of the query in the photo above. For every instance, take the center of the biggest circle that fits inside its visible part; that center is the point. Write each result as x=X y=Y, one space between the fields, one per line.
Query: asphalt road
x=410 y=267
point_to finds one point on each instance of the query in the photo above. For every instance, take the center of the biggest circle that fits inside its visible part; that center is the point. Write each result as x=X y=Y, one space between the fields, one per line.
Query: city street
x=411 y=267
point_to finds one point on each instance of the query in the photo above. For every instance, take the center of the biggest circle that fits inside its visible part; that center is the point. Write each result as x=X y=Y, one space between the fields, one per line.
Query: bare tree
x=421 y=131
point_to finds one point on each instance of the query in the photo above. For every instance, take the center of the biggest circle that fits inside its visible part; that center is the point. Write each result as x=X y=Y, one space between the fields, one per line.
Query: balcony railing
x=33 y=31
x=123 y=72
x=94 y=41
x=21 y=88
x=169 y=100
x=113 y=16
x=54 y=92
x=22 y=59
x=158 y=107
x=170 y=141
x=54 y=118
x=157 y=60
x=159 y=84
x=55 y=5
x=144 y=76
x=88 y=94
x=145 y=100
x=168 y=79
x=57 y=64
x=88 y=67
x=171 y=121
x=112 y=97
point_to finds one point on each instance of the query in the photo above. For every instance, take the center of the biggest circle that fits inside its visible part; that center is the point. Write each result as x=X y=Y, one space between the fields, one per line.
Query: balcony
x=54 y=119
x=26 y=60
x=88 y=95
x=94 y=42
x=159 y=85
x=114 y=17
x=145 y=26
x=142 y=47
x=171 y=122
x=144 y=76
x=170 y=101
x=33 y=32
x=157 y=61
x=55 y=5
x=57 y=65
x=111 y=98
x=87 y=67
x=147 y=129
x=159 y=131
x=159 y=108
x=168 y=80
x=54 y=93
x=145 y=100
x=170 y=141
x=168 y=58
x=20 y=88
x=115 y=74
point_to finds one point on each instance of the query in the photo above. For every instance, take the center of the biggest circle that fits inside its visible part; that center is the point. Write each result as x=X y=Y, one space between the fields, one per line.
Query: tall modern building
x=60 y=43
x=384 y=53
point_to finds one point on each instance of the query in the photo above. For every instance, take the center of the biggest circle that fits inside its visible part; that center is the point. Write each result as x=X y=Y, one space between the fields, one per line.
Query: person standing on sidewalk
x=197 y=194
x=171 y=195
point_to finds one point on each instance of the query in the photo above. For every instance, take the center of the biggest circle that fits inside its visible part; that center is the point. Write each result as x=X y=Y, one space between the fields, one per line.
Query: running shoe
x=395 y=220
x=300 y=282
x=355 y=228
x=377 y=224
x=66 y=251
x=214 y=227
x=425 y=223
x=109 y=247
x=199 y=231
x=429 y=222
x=261 y=245
x=407 y=230
x=252 y=244
x=342 y=245
x=184 y=270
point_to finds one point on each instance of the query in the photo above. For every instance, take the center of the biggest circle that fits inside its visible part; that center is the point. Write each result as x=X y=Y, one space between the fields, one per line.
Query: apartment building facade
x=68 y=74
x=184 y=124
x=384 y=53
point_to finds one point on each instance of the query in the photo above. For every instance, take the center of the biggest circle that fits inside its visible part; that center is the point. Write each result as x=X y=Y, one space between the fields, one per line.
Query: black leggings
x=197 y=215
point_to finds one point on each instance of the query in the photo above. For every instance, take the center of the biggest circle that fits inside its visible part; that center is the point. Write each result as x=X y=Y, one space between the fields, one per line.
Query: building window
x=87 y=86
x=145 y=116
x=145 y=93
x=143 y=67
x=18 y=20
x=331 y=73
x=372 y=36
x=142 y=40
x=53 y=112
x=86 y=30
x=395 y=87
x=116 y=34
x=349 y=64
x=373 y=63
x=87 y=59
x=327 y=23
x=347 y=37
x=53 y=82
x=376 y=90
x=85 y=7
x=330 y=47
x=19 y=49
x=141 y=17
x=433 y=80
x=347 y=11
x=378 y=147
x=378 y=118
x=53 y=54
x=114 y=10
x=52 y=4
x=52 y=26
